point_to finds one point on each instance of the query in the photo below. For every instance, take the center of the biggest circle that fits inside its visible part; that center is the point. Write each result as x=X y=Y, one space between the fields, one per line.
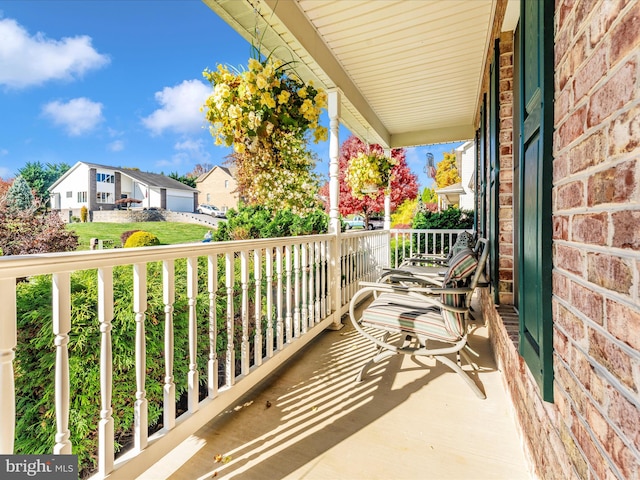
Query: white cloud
x=77 y=116
x=116 y=146
x=180 y=108
x=28 y=60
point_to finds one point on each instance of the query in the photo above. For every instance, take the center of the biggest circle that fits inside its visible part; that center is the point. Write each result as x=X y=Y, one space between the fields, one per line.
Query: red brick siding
x=592 y=429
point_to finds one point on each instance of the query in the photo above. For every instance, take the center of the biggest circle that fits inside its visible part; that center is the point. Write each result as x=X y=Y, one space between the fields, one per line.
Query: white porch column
x=334 y=152
x=334 y=199
x=387 y=199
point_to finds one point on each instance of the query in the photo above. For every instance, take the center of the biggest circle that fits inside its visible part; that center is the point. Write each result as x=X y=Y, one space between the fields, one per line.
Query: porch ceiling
x=410 y=71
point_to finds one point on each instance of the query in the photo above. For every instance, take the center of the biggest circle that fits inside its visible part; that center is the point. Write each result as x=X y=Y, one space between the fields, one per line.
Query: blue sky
x=119 y=82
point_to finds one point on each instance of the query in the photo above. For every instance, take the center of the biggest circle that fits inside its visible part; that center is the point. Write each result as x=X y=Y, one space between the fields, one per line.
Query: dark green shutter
x=536 y=129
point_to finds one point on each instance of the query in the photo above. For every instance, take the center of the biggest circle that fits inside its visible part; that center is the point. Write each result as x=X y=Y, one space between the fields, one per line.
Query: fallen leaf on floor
x=215 y=474
x=268 y=404
x=226 y=459
x=313 y=409
x=217 y=458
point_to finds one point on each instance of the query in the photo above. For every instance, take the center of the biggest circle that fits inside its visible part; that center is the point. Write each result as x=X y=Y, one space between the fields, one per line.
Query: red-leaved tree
x=404 y=184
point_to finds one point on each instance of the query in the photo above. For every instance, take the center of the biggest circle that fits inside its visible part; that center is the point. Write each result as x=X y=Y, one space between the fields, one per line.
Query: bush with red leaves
x=29 y=231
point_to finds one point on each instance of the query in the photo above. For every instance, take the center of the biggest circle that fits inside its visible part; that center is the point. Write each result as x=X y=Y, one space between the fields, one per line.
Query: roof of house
x=228 y=170
x=146 y=178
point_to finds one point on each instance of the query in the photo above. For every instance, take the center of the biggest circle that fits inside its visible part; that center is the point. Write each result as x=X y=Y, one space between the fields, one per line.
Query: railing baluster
x=288 y=318
x=140 y=407
x=212 y=287
x=304 y=265
x=169 y=388
x=313 y=272
x=321 y=277
x=230 y=366
x=280 y=320
x=61 y=326
x=105 y=425
x=8 y=343
x=269 y=316
x=324 y=279
x=192 y=293
x=257 y=273
x=296 y=290
x=244 y=312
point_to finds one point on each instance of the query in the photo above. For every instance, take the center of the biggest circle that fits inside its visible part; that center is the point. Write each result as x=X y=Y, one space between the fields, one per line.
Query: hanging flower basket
x=367 y=173
x=261 y=105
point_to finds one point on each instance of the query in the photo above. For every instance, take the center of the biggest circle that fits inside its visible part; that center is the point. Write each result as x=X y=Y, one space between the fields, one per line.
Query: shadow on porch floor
x=409 y=419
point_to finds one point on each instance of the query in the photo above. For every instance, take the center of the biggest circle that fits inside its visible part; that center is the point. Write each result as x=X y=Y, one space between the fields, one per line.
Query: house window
x=226 y=184
x=104 y=178
x=103 y=197
x=208 y=197
x=69 y=194
x=82 y=197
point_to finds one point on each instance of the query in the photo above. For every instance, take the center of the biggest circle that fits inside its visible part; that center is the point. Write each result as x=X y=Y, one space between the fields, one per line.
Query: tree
x=404 y=184
x=186 y=179
x=429 y=195
x=40 y=177
x=447 y=171
x=200 y=169
x=19 y=196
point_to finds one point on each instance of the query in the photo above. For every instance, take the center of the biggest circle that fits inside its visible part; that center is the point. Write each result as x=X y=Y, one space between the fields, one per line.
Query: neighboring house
x=98 y=187
x=461 y=193
x=218 y=187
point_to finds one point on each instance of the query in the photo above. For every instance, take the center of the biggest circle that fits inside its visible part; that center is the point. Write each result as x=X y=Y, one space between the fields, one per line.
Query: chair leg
x=456 y=368
x=376 y=359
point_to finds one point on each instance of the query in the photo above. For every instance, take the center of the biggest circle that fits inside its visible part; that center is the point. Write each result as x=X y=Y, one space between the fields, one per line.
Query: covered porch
x=408 y=419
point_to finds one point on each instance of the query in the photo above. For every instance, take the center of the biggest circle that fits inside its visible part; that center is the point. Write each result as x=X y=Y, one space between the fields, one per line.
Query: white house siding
x=108 y=188
x=126 y=187
x=466 y=155
x=76 y=181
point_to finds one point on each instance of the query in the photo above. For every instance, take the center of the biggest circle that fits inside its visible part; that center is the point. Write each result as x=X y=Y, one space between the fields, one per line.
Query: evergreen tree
x=40 y=177
x=19 y=196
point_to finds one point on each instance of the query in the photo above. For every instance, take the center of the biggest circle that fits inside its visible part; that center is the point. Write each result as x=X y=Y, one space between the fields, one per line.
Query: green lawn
x=167 y=232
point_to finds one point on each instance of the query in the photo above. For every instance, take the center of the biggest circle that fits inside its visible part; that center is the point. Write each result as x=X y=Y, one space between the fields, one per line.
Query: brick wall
x=596 y=210
x=505 y=219
x=592 y=428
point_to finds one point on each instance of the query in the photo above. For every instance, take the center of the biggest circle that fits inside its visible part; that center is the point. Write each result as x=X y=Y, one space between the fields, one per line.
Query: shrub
x=24 y=232
x=35 y=358
x=83 y=214
x=125 y=236
x=141 y=239
x=259 y=222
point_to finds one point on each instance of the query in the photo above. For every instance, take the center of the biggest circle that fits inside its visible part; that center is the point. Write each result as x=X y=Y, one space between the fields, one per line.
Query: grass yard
x=168 y=233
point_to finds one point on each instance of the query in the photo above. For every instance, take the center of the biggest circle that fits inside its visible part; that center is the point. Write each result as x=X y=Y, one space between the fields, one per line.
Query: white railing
x=276 y=296
x=407 y=243
x=272 y=296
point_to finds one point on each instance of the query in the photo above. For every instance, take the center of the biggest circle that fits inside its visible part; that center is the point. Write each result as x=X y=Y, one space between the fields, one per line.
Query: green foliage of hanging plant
x=368 y=172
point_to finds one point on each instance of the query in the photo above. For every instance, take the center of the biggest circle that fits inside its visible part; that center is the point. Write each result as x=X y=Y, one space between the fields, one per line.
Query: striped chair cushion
x=398 y=313
x=460 y=267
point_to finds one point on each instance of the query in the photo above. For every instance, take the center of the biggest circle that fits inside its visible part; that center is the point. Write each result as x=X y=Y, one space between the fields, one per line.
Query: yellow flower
x=255 y=64
x=239 y=147
x=302 y=93
x=283 y=97
x=261 y=82
x=267 y=100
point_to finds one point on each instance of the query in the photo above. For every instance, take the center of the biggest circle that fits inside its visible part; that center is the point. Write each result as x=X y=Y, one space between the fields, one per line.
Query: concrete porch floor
x=409 y=419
